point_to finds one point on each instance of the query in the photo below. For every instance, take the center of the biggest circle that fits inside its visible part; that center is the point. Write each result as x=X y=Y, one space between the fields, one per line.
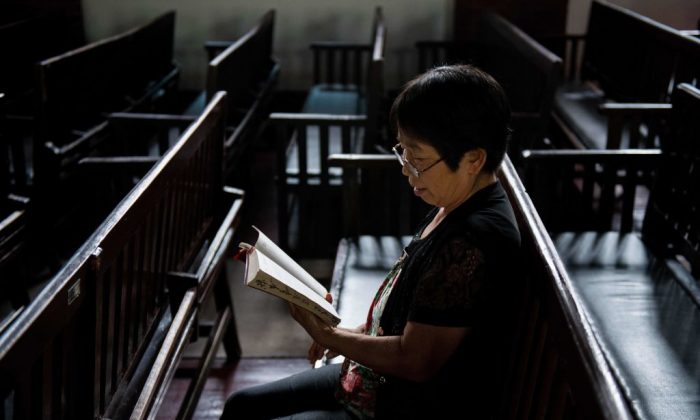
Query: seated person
x=438 y=322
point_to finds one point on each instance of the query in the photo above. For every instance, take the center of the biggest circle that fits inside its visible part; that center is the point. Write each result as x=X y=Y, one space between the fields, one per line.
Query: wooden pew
x=131 y=71
x=104 y=337
x=627 y=61
x=637 y=284
x=554 y=366
x=248 y=71
x=25 y=40
x=341 y=114
x=528 y=72
x=95 y=175
x=77 y=89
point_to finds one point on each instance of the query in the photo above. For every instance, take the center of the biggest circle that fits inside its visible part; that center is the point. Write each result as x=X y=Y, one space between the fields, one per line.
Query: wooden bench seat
x=555 y=368
x=360 y=267
x=335 y=99
x=640 y=290
x=628 y=60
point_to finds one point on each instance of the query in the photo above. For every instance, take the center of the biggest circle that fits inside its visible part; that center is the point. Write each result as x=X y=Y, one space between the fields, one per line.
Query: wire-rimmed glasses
x=401 y=156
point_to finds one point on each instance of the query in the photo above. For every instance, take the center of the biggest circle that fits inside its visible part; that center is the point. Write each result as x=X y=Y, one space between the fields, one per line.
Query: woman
x=437 y=329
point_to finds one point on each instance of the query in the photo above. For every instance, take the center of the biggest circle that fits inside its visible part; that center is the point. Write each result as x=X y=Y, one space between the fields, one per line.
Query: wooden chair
x=638 y=284
x=104 y=337
x=528 y=72
x=341 y=114
x=554 y=365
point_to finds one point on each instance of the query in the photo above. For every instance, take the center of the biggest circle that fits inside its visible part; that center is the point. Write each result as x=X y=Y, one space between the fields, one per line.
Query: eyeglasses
x=401 y=156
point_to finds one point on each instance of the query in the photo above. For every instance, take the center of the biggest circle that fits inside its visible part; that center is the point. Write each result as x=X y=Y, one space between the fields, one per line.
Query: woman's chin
x=424 y=195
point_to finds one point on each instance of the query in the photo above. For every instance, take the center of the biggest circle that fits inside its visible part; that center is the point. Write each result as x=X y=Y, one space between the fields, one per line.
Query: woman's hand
x=315 y=327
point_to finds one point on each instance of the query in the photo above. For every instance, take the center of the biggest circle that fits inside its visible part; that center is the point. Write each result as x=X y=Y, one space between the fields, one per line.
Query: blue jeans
x=305 y=396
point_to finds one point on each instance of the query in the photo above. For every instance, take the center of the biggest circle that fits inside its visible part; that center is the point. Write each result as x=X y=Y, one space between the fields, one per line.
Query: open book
x=271 y=270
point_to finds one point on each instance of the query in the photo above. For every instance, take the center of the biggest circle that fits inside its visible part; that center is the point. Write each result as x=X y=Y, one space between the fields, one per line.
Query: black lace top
x=460 y=275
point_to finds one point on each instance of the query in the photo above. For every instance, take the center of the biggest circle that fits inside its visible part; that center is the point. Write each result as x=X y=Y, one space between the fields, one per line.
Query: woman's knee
x=238 y=404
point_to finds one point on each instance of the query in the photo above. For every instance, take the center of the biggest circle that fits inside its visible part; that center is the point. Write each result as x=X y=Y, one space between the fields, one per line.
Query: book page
x=277 y=281
x=271 y=250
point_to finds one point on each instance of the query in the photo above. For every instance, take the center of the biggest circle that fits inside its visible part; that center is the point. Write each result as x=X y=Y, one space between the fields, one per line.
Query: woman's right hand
x=316 y=351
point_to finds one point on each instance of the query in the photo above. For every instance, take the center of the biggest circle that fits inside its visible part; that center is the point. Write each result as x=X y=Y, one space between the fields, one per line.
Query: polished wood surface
x=225 y=379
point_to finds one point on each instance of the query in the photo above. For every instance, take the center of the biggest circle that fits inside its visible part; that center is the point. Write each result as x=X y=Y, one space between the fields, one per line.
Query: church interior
x=142 y=141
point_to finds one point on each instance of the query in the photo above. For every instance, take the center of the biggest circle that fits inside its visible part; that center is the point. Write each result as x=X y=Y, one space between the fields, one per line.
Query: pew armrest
x=339 y=46
x=641 y=121
x=151 y=119
x=136 y=165
x=360 y=160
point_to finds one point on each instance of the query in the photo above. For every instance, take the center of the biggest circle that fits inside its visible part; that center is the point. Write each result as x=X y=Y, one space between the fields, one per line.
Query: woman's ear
x=474 y=160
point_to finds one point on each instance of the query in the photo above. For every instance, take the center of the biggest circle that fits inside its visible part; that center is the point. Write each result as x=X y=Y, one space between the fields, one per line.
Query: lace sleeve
x=451 y=287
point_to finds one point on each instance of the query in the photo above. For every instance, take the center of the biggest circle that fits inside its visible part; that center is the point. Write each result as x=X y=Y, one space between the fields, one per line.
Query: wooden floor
x=224 y=379
x=259 y=210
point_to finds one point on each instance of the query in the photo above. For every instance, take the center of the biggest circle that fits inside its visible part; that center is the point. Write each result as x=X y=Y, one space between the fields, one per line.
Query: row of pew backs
x=85 y=346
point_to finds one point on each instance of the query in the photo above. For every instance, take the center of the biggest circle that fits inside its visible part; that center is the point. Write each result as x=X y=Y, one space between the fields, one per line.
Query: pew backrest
x=244 y=67
x=120 y=73
x=528 y=72
x=632 y=57
x=670 y=222
x=25 y=42
x=248 y=72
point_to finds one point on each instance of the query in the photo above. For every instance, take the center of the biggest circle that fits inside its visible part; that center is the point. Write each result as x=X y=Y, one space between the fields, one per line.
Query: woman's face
x=439 y=185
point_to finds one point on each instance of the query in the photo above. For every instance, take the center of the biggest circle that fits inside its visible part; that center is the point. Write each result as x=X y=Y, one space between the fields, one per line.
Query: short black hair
x=455 y=109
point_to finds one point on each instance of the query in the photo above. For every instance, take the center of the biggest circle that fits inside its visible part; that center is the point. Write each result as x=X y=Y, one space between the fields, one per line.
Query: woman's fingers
x=315 y=352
